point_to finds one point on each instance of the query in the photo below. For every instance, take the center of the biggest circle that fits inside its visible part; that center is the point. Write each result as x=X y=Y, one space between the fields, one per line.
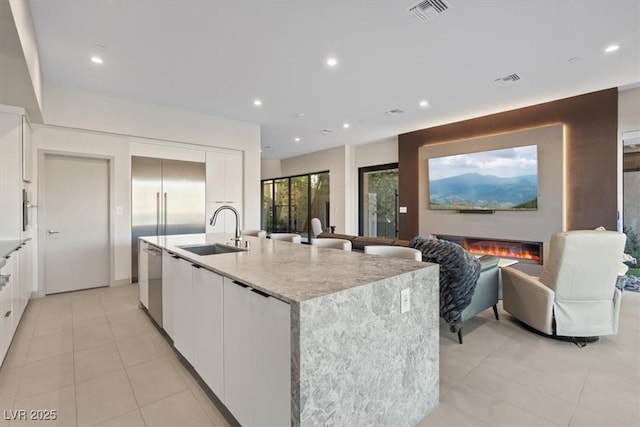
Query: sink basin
x=210 y=249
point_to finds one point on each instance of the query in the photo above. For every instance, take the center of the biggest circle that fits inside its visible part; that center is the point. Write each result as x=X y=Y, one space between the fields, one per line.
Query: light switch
x=403 y=209
x=405 y=300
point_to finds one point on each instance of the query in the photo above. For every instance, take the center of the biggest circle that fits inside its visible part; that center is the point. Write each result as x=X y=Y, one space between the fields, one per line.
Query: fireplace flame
x=501 y=252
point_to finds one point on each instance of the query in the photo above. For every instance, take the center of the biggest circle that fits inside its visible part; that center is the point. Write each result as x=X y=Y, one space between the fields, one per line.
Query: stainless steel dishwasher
x=155 y=283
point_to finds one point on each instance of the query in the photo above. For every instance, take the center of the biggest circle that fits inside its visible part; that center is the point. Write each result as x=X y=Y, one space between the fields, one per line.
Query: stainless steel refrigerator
x=167 y=197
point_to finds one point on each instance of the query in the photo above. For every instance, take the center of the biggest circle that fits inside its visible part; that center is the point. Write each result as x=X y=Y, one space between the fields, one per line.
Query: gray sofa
x=485 y=293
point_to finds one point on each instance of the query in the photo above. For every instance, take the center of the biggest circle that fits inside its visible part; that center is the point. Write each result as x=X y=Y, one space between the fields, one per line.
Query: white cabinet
x=208 y=331
x=224 y=187
x=224 y=177
x=22 y=262
x=170 y=275
x=183 y=309
x=237 y=346
x=10 y=173
x=143 y=273
x=6 y=299
x=25 y=151
x=235 y=337
x=271 y=364
x=257 y=354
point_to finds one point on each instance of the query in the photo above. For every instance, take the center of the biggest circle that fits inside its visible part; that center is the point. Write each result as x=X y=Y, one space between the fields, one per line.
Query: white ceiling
x=217 y=56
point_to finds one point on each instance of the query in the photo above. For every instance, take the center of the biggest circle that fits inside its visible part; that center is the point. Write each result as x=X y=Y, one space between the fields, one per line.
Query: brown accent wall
x=591 y=123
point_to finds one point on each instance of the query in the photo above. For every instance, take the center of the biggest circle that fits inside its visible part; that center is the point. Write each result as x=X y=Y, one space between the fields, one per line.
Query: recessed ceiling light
x=296 y=139
x=612 y=48
x=424 y=103
x=299 y=114
x=346 y=125
x=257 y=102
x=96 y=60
x=332 y=62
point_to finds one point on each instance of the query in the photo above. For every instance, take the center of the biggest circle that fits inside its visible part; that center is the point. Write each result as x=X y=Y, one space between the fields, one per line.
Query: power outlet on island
x=405 y=300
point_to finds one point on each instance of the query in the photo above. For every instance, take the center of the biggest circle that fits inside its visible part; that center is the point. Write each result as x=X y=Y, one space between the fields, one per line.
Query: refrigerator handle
x=157 y=214
x=165 y=214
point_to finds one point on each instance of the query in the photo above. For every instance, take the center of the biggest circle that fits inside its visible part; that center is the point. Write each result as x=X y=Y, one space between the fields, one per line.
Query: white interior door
x=75 y=230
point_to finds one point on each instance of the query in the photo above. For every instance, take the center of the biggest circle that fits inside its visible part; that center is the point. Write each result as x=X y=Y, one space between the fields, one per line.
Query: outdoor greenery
x=285 y=203
x=632 y=247
x=384 y=184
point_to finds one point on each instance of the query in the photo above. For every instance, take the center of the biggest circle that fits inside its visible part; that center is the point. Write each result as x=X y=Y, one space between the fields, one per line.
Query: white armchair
x=255 y=233
x=287 y=237
x=343 y=244
x=316 y=226
x=394 y=252
x=576 y=294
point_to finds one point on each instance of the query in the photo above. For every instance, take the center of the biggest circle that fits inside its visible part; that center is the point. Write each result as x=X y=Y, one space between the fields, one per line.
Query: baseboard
x=121 y=282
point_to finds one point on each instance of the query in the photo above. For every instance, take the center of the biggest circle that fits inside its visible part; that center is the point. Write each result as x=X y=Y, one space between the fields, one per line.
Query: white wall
x=83 y=110
x=535 y=226
x=92 y=124
x=270 y=168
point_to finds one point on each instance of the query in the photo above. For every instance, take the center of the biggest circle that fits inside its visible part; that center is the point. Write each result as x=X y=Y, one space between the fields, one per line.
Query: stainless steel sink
x=213 y=249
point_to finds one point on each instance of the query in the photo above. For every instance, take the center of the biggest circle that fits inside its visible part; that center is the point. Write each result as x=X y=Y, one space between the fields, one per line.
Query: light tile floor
x=96 y=358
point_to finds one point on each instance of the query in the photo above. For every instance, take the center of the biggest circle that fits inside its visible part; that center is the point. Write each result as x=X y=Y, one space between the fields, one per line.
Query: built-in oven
x=154 y=262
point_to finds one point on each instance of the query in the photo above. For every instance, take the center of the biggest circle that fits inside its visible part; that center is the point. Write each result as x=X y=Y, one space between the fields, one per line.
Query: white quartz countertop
x=288 y=271
x=9 y=246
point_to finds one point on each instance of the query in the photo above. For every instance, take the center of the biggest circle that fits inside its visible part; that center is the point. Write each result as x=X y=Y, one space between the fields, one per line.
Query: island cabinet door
x=207 y=321
x=183 y=309
x=170 y=271
x=238 y=391
x=271 y=364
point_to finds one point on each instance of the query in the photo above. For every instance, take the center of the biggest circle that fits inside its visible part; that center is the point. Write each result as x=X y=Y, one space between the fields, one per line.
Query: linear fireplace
x=524 y=251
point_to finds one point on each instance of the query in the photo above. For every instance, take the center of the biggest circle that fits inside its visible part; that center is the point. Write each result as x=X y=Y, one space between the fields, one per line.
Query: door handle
x=164 y=230
x=52 y=232
x=157 y=214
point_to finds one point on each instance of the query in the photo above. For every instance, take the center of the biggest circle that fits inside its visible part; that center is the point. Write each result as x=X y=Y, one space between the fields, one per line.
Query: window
x=289 y=203
x=378 y=201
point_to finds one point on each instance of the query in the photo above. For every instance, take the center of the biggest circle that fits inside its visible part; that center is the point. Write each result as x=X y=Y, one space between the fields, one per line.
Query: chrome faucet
x=212 y=221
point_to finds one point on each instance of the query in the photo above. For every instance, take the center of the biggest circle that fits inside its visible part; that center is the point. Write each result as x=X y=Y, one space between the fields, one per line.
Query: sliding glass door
x=378 y=201
x=289 y=203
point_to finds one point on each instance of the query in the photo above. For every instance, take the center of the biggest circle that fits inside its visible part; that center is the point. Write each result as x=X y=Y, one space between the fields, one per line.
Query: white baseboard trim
x=121 y=282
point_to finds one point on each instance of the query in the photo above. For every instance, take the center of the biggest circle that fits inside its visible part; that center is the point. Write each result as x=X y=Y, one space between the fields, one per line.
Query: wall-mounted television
x=505 y=179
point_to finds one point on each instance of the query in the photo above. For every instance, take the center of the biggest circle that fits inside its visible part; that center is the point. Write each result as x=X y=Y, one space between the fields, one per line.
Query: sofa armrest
x=485 y=293
x=527 y=299
x=488 y=261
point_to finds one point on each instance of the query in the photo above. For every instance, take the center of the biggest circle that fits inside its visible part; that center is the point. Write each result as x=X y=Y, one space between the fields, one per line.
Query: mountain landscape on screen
x=504 y=179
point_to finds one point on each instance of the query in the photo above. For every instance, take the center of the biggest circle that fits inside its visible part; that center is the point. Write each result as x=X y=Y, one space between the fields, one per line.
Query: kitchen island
x=341 y=351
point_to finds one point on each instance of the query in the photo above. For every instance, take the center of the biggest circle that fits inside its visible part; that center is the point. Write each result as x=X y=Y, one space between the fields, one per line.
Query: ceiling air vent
x=507 y=79
x=426 y=9
x=326 y=131
x=394 y=112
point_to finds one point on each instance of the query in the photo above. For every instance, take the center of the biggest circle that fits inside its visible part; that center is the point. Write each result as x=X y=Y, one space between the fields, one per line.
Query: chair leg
x=495 y=311
x=460 y=335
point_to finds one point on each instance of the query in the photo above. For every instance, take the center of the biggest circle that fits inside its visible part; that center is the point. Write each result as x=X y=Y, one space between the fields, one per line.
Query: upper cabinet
x=25 y=140
x=224 y=177
x=11 y=119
